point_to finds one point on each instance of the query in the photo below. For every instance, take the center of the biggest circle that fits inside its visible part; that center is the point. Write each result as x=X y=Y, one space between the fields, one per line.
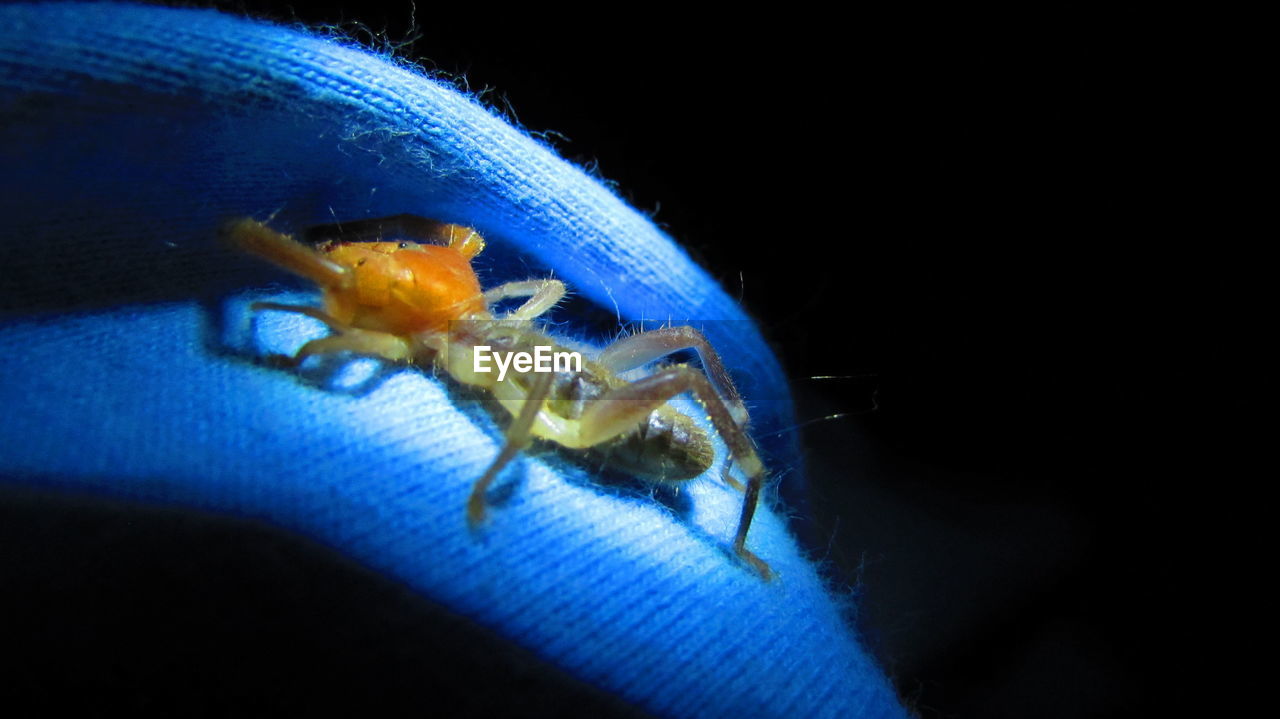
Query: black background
x=1024 y=255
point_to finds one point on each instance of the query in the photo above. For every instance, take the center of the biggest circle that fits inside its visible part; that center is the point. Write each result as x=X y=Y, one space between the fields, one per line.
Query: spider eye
x=404 y=245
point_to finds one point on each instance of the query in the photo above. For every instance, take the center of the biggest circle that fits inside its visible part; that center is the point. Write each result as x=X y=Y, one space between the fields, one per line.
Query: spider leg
x=519 y=433
x=625 y=407
x=347 y=338
x=640 y=349
x=361 y=342
x=285 y=252
x=542 y=294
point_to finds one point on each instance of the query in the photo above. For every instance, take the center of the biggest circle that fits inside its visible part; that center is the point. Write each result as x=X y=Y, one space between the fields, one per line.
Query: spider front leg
x=249 y=235
x=542 y=294
x=345 y=338
x=625 y=407
x=255 y=238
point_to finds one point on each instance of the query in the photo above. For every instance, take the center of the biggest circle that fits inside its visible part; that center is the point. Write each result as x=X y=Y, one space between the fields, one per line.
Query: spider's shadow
x=345 y=374
x=592 y=470
x=225 y=336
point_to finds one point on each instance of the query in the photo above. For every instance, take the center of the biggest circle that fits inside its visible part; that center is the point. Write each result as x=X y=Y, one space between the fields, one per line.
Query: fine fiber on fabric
x=133 y=359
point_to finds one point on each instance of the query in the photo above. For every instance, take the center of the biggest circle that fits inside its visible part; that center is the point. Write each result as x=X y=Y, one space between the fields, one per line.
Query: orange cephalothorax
x=403 y=287
x=399 y=288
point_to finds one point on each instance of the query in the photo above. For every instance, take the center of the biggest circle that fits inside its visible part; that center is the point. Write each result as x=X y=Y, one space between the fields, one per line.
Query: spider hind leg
x=624 y=407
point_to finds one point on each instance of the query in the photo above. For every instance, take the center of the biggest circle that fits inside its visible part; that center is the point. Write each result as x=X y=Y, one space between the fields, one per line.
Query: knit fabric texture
x=130 y=132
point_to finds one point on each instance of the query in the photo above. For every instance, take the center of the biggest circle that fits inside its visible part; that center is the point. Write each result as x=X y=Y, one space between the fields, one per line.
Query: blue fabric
x=129 y=132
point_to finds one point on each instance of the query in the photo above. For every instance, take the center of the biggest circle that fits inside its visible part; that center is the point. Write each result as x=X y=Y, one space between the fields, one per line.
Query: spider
x=420 y=302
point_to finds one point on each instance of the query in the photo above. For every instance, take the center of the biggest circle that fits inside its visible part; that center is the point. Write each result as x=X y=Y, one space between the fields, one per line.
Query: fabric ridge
x=131 y=132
